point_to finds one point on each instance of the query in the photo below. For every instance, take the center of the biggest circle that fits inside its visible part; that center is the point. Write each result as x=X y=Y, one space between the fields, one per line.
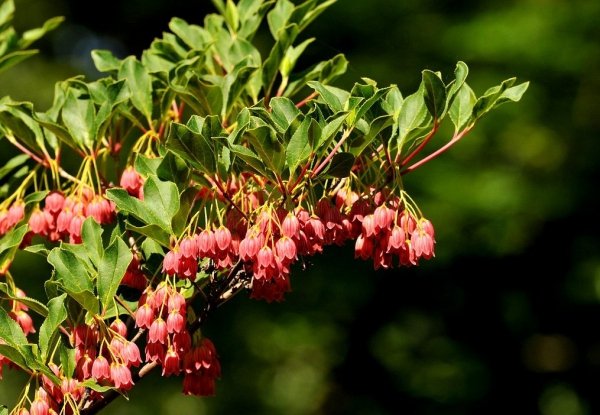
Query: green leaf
x=3 y=410
x=251 y=14
x=152 y=248
x=81 y=252
x=10 y=331
x=32 y=358
x=7 y=11
x=487 y=101
x=250 y=157
x=93 y=385
x=140 y=85
x=365 y=106
x=91 y=235
x=195 y=37
x=39 y=249
x=111 y=270
x=78 y=116
x=231 y=15
x=17 y=120
x=279 y=15
x=462 y=107
x=57 y=313
x=32 y=35
x=209 y=126
x=291 y=57
x=14 y=354
x=392 y=103
x=513 y=94
x=284 y=112
x=11 y=59
x=333 y=97
x=312 y=11
x=35 y=197
x=153 y=232
x=412 y=115
x=302 y=143
x=12 y=238
x=234 y=84
x=224 y=161
x=285 y=38
x=330 y=130
x=67 y=360
x=460 y=74
x=358 y=142
x=160 y=204
x=324 y=72
x=108 y=94
x=264 y=141
x=9 y=244
x=56 y=129
x=12 y=164
x=147 y=166
x=192 y=147
x=74 y=278
x=174 y=169
x=32 y=303
x=435 y=94
x=105 y=61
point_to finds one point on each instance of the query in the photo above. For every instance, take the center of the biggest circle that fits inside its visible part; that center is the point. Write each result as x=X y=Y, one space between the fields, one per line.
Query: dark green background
x=505 y=319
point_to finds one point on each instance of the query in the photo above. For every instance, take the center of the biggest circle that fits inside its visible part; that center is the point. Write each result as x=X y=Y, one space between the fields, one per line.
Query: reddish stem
x=161 y=130
x=180 y=112
x=305 y=100
x=439 y=151
x=330 y=155
x=302 y=173
x=223 y=292
x=111 y=395
x=282 y=186
x=227 y=197
x=420 y=147
x=31 y=154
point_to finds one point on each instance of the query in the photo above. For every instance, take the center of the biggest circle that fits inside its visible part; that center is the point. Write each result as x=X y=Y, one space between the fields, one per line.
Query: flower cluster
x=163 y=312
x=393 y=231
x=105 y=355
x=267 y=239
x=62 y=217
x=49 y=398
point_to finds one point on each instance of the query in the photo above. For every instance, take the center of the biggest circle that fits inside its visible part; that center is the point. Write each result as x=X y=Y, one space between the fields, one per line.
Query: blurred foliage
x=504 y=320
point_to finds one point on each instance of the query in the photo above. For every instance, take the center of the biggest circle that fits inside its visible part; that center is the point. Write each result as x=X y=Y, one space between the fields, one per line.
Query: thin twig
x=226 y=196
x=419 y=148
x=439 y=151
x=305 y=100
x=111 y=395
x=330 y=155
x=223 y=292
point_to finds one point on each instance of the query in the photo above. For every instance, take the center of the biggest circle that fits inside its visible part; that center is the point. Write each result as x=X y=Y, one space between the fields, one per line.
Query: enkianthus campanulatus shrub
x=204 y=169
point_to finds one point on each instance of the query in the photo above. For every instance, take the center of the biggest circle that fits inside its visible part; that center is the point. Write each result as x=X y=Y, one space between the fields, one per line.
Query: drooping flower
x=100 y=369
x=171 y=364
x=120 y=375
x=132 y=182
x=158 y=331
